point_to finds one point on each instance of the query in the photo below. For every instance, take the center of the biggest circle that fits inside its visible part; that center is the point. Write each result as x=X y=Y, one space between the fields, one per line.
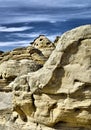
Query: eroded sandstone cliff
x=58 y=95
x=15 y=63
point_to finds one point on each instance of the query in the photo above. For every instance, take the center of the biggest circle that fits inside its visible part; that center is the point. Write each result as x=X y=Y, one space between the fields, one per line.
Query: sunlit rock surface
x=44 y=44
x=57 y=96
x=15 y=63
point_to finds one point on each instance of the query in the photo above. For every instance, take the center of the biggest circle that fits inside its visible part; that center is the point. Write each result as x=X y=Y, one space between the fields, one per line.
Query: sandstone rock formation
x=56 y=40
x=15 y=63
x=44 y=44
x=18 y=62
x=59 y=94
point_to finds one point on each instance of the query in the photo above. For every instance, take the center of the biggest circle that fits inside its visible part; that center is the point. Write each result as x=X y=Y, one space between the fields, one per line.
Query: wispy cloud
x=49 y=15
x=15 y=43
x=59 y=15
x=53 y=37
x=26 y=42
x=50 y=3
x=27 y=35
x=14 y=29
x=35 y=35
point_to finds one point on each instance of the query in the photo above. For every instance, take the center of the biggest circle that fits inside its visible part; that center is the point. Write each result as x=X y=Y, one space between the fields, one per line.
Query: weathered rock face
x=18 y=62
x=21 y=61
x=56 y=40
x=58 y=95
x=44 y=44
x=30 y=53
x=13 y=64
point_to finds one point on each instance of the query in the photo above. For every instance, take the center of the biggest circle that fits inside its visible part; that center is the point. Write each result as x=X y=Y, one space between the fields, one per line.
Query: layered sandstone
x=15 y=63
x=21 y=61
x=57 y=96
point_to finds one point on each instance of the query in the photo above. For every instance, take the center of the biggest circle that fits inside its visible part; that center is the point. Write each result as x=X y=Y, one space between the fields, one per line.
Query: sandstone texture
x=44 y=44
x=58 y=95
x=18 y=62
x=15 y=63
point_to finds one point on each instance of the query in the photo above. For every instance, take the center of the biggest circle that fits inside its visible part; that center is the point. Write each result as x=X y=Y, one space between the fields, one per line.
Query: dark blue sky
x=22 y=21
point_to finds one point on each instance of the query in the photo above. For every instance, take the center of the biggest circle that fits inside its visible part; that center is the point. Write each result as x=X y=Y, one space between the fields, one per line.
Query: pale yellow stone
x=58 y=96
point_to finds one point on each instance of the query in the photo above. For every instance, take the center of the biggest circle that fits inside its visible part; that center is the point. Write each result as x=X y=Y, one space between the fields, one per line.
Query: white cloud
x=68 y=9
x=36 y=34
x=27 y=18
x=52 y=37
x=27 y=35
x=60 y=16
x=14 y=29
x=15 y=43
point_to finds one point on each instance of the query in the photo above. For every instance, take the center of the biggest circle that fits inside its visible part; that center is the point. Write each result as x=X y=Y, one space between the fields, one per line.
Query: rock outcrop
x=23 y=60
x=17 y=62
x=57 y=96
x=44 y=44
